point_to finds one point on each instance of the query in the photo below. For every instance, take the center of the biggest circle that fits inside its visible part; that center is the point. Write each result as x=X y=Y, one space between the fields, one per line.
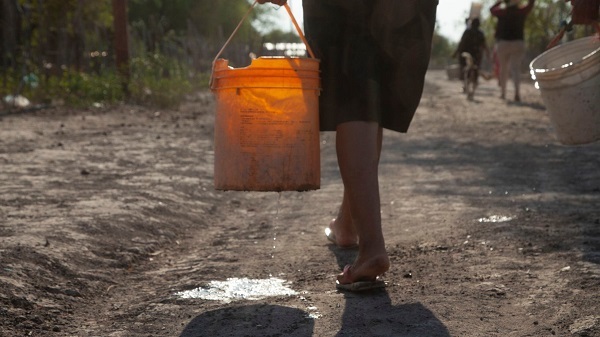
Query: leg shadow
x=343 y=256
x=372 y=313
x=251 y=320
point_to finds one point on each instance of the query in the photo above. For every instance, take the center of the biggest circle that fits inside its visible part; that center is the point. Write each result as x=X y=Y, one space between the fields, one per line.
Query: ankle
x=342 y=226
x=375 y=264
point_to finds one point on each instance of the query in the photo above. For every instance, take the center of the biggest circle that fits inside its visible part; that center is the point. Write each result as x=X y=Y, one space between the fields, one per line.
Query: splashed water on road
x=234 y=289
x=495 y=218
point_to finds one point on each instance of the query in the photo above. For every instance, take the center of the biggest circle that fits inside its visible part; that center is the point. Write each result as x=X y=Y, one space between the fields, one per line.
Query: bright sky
x=451 y=16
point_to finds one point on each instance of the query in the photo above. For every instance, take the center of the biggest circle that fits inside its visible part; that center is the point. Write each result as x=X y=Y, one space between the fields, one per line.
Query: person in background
x=374 y=55
x=472 y=42
x=586 y=12
x=510 y=43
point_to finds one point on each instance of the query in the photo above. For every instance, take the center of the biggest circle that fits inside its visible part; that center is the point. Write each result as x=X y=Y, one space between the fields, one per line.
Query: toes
x=345 y=277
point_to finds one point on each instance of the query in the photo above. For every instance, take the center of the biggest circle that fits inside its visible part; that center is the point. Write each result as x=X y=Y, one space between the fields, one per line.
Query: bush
x=158 y=81
x=155 y=81
x=80 y=89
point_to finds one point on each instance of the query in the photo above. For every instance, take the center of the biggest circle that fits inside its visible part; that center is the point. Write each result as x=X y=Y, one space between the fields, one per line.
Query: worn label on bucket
x=274 y=130
x=267 y=139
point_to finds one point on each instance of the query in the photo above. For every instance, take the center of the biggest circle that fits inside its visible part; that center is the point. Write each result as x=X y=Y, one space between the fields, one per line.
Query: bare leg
x=358 y=146
x=342 y=226
x=504 y=59
x=516 y=60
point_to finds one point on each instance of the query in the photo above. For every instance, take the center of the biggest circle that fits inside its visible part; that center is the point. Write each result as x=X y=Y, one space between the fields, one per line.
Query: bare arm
x=496 y=10
x=529 y=6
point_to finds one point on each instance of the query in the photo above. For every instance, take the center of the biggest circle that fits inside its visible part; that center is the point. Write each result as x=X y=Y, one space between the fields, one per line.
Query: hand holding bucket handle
x=584 y=12
x=288 y=9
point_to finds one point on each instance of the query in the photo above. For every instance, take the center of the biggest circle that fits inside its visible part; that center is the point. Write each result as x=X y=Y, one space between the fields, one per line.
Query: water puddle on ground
x=495 y=218
x=235 y=289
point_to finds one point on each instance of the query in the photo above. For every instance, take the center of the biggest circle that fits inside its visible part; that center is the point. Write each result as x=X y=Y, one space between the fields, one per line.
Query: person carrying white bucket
x=374 y=56
x=510 y=43
x=583 y=12
x=475 y=12
x=568 y=77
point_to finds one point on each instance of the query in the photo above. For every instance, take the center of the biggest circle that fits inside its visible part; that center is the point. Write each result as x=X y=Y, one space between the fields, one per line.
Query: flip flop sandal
x=358 y=285
x=331 y=237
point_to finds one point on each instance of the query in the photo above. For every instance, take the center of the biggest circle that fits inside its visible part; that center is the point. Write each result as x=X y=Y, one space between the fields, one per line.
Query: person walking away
x=374 y=55
x=510 y=44
x=472 y=42
x=586 y=12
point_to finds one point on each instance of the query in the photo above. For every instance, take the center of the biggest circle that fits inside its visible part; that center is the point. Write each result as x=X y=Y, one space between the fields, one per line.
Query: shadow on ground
x=371 y=313
x=552 y=191
x=251 y=320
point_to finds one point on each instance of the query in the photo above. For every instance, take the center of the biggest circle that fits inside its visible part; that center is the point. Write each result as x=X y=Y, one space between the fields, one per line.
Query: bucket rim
x=567 y=67
x=224 y=63
x=286 y=67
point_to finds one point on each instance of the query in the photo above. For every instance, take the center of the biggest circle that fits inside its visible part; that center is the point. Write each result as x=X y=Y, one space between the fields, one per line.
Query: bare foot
x=365 y=269
x=342 y=235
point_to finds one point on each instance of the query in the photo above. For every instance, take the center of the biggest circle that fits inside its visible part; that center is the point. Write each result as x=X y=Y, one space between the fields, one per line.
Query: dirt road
x=108 y=215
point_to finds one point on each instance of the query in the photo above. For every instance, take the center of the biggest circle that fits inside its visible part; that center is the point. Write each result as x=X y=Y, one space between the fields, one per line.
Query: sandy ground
x=493 y=227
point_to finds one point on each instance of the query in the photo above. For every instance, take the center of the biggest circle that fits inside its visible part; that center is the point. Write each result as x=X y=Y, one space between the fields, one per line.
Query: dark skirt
x=374 y=55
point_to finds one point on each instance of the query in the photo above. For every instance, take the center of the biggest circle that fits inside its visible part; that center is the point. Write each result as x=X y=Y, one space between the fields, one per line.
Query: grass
x=155 y=81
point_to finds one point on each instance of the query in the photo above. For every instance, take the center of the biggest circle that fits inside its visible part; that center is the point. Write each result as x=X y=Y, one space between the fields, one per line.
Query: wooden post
x=121 y=42
x=9 y=33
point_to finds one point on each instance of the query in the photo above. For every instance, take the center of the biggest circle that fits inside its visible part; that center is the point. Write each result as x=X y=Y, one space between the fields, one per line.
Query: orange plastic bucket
x=267 y=125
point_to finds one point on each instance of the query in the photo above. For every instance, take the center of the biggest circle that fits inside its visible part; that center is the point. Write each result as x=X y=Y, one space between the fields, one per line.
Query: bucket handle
x=287 y=7
x=289 y=10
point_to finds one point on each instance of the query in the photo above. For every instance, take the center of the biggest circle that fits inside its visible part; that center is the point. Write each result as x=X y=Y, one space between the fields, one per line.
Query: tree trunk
x=121 y=42
x=9 y=31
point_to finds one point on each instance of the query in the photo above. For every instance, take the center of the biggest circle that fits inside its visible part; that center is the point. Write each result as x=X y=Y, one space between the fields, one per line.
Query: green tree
x=199 y=27
x=69 y=45
x=278 y=35
x=59 y=31
x=441 y=50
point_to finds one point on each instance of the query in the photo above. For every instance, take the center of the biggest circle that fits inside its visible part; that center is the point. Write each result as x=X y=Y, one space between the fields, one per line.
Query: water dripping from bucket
x=275 y=221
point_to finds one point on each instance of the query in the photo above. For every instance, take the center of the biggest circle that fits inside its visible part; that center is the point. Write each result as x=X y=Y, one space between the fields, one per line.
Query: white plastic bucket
x=475 y=12
x=568 y=77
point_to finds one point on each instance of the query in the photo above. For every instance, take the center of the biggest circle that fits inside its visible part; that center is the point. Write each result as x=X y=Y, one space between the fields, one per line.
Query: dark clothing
x=511 y=21
x=585 y=12
x=472 y=42
x=374 y=55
